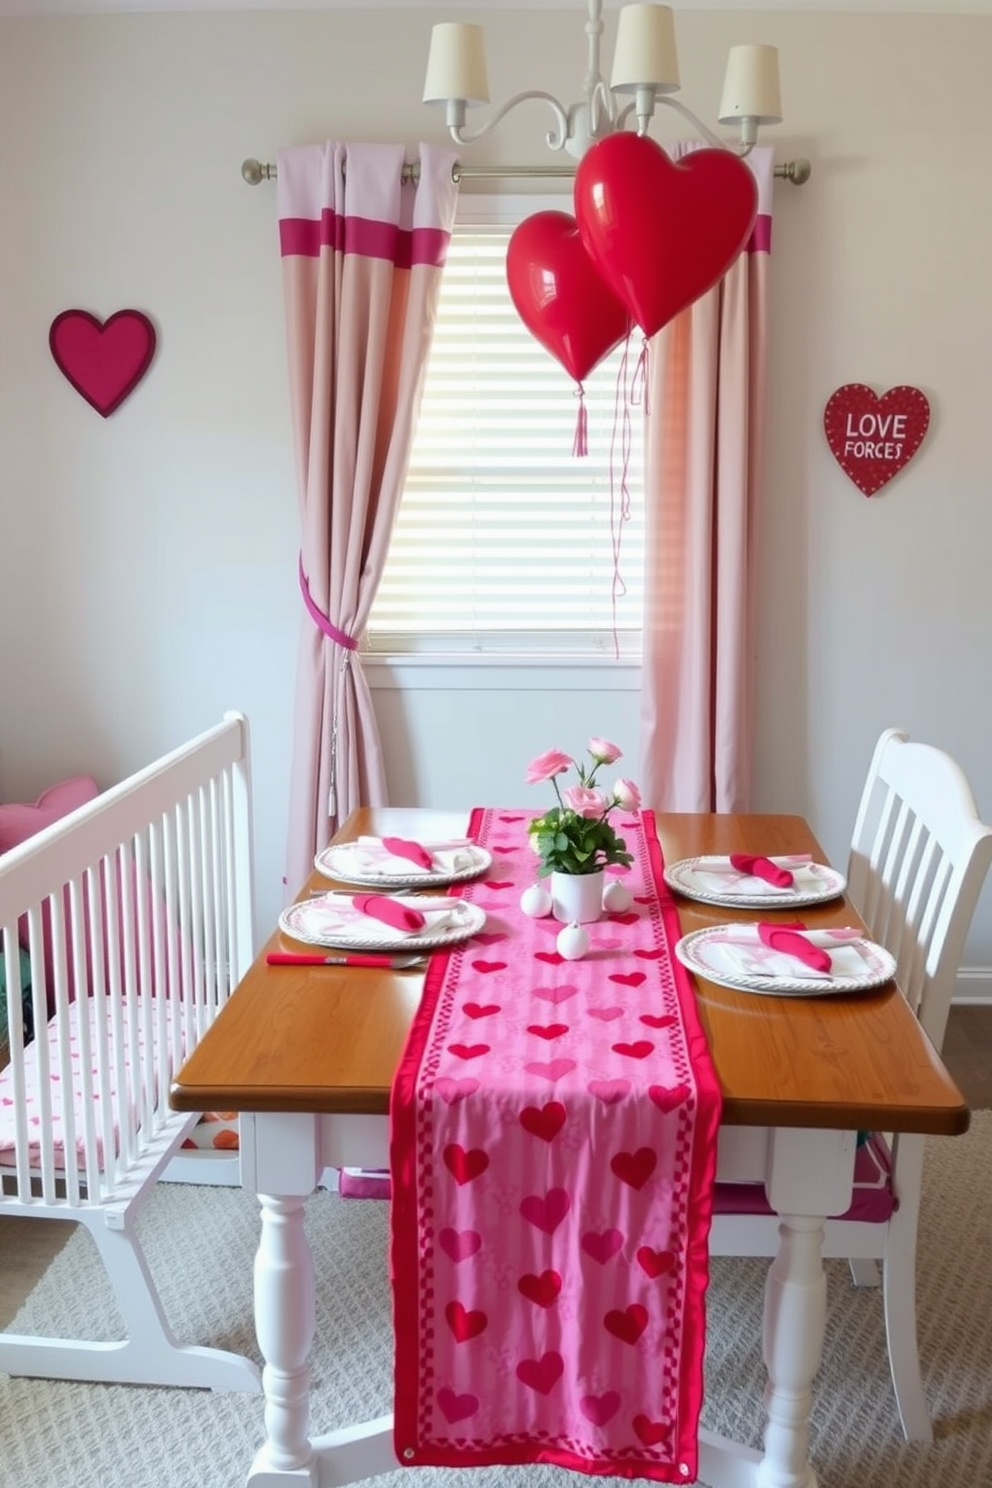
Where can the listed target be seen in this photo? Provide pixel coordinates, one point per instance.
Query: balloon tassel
(580, 445)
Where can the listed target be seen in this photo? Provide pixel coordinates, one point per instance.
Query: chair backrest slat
(919, 857)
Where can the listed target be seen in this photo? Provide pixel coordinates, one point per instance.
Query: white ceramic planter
(577, 898)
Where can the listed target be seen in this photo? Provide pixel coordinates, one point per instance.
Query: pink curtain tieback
(320, 619)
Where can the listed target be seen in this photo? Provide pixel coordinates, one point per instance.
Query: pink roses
(575, 836)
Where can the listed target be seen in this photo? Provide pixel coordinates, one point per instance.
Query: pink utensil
(290, 958)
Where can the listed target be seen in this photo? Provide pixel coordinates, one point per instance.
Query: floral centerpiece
(577, 836)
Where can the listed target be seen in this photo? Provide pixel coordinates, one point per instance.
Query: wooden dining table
(307, 1055)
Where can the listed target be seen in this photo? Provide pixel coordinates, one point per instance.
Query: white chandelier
(645, 73)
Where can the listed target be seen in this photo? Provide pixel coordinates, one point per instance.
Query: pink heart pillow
(21, 820)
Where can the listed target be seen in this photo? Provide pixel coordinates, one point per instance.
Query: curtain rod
(254, 172)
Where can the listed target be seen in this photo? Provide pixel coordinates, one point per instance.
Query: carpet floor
(201, 1243)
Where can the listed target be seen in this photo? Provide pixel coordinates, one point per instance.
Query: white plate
(303, 921)
(340, 862)
(700, 953)
(819, 884)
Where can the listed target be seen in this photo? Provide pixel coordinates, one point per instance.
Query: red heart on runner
(607, 1014)
(480, 1009)
(602, 1247)
(654, 955)
(634, 1168)
(551, 957)
(543, 1121)
(550, 1031)
(561, 993)
(454, 1090)
(554, 1069)
(546, 1214)
(487, 966)
(465, 1324)
(667, 1100)
(608, 1091)
(468, 1051)
(628, 978)
(640, 1049)
(657, 1020)
(600, 1408)
(457, 1407)
(489, 937)
(465, 1165)
(651, 1432)
(628, 1324)
(655, 1263)
(627, 918)
(541, 1289)
(459, 1244)
(541, 1374)
(492, 883)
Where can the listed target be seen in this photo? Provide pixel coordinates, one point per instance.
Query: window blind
(505, 540)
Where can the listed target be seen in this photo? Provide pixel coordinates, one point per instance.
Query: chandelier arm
(555, 141)
(600, 98)
(675, 103)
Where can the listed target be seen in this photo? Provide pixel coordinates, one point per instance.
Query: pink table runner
(553, 1151)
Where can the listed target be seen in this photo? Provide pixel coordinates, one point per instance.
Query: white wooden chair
(137, 912)
(918, 860)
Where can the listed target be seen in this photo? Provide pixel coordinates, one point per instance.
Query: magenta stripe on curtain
(303, 237)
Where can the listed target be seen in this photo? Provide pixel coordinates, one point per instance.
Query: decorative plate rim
(833, 888)
(433, 880)
(451, 935)
(685, 950)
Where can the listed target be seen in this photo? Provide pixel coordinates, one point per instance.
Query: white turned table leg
(795, 1319)
(284, 1325)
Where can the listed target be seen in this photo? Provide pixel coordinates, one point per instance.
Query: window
(505, 540)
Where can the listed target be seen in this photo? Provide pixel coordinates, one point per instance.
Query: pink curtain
(362, 255)
(705, 406)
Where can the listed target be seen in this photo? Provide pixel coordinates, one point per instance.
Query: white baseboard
(974, 987)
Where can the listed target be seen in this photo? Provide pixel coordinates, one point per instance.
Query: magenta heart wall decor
(104, 360)
(873, 437)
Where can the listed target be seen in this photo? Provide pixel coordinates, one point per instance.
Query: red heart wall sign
(558, 294)
(104, 360)
(872, 438)
(662, 233)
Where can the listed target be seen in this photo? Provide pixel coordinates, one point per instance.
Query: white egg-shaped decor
(572, 942)
(536, 901)
(617, 897)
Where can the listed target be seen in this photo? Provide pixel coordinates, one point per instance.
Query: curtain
(703, 422)
(362, 253)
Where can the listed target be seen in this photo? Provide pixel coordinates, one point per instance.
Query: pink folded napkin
(764, 868)
(391, 912)
(790, 940)
(400, 847)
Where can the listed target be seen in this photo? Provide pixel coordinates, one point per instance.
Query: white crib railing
(136, 911)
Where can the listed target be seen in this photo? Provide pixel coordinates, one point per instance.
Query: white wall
(147, 561)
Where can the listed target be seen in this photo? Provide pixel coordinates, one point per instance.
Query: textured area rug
(201, 1243)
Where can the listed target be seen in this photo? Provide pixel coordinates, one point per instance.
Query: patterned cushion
(873, 1198)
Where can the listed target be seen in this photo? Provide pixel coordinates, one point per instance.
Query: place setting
(398, 862)
(742, 880)
(786, 959)
(381, 922)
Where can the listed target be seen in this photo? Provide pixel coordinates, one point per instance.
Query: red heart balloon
(558, 294)
(661, 233)
(104, 360)
(872, 438)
